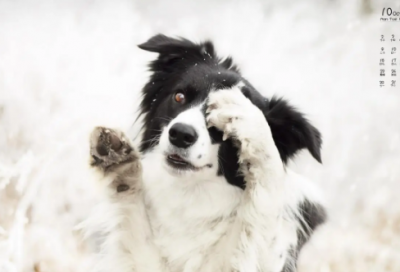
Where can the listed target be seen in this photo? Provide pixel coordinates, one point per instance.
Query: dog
(208, 189)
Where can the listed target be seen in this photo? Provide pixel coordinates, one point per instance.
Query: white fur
(196, 221)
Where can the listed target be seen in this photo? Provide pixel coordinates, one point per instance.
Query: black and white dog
(208, 189)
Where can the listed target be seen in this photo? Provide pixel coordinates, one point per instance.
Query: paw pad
(109, 147)
(122, 188)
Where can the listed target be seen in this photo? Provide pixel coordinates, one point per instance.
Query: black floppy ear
(291, 130)
(180, 50)
(161, 43)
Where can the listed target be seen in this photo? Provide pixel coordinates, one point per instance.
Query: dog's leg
(128, 246)
(255, 240)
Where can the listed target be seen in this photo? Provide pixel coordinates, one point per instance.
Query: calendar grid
(388, 61)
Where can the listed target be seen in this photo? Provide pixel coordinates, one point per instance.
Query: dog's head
(174, 103)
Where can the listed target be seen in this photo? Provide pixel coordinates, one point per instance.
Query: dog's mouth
(179, 163)
(176, 161)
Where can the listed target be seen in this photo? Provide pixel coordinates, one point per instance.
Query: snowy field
(66, 66)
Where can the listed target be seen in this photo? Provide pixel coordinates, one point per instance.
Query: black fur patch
(313, 215)
(228, 161)
(291, 130)
(290, 264)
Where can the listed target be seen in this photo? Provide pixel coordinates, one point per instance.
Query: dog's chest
(188, 220)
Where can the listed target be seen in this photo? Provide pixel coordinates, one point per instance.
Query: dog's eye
(180, 98)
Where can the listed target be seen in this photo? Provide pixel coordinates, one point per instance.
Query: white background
(66, 66)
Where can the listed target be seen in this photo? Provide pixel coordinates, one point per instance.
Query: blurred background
(66, 66)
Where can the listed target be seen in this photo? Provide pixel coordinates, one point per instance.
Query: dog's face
(174, 103)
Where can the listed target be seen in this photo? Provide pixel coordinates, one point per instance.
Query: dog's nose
(182, 135)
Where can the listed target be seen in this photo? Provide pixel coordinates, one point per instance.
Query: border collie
(208, 189)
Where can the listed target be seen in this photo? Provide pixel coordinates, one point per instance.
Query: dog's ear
(164, 44)
(180, 50)
(290, 129)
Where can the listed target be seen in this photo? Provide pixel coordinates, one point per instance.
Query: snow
(67, 66)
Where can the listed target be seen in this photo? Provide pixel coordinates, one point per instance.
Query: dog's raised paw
(109, 147)
(230, 111)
